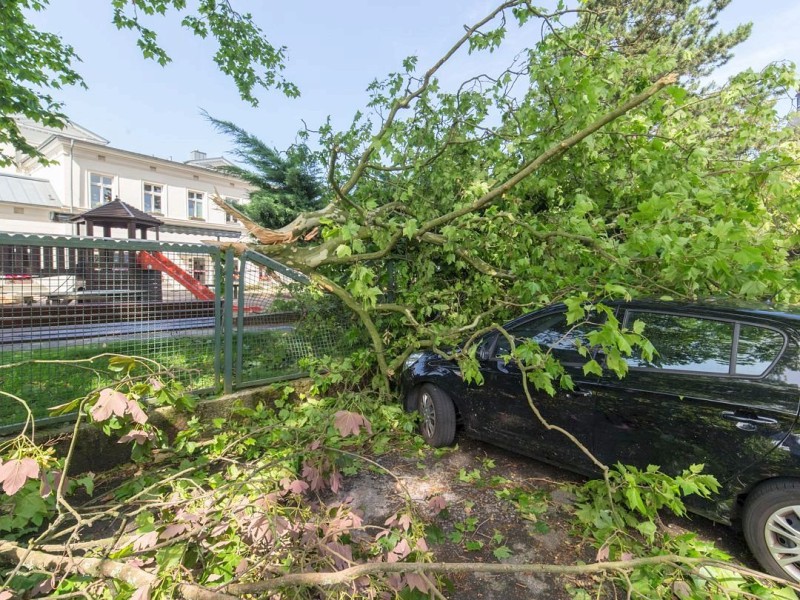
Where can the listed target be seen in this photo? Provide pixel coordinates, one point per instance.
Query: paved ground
(485, 522)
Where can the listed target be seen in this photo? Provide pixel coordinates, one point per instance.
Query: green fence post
(227, 326)
(217, 319)
(240, 321)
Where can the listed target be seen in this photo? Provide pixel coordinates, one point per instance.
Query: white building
(86, 172)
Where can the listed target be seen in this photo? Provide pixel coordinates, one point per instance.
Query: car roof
(719, 307)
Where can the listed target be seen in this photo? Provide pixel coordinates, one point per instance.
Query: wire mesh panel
(65, 298)
(280, 320)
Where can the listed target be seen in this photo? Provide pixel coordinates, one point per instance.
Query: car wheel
(437, 416)
(771, 524)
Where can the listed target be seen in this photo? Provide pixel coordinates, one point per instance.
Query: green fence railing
(217, 322)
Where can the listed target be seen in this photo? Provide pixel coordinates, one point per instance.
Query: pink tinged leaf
(335, 482)
(399, 552)
(136, 412)
(415, 581)
(283, 525)
(342, 554)
(350, 423)
(602, 554)
(43, 587)
(142, 593)
(173, 530)
(314, 445)
(145, 541)
(626, 556)
(242, 567)
(296, 486)
(437, 503)
(681, 589)
(110, 402)
(183, 515)
(313, 476)
(260, 529)
(44, 486)
(219, 530)
(395, 581)
(139, 562)
(138, 436)
(156, 384)
(421, 545)
(355, 520)
(50, 481)
(391, 520)
(214, 577)
(404, 522)
(15, 473)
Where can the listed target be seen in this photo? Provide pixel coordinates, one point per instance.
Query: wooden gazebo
(113, 275)
(117, 215)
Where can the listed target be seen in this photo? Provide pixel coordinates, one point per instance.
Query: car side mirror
(485, 348)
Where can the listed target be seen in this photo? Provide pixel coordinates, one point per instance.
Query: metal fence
(216, 321)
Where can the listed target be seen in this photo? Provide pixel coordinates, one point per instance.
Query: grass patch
(265, 355)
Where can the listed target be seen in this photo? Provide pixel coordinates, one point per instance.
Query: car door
(706, 398)
(500, 410)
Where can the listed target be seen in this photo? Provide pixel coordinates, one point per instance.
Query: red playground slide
(159, 262)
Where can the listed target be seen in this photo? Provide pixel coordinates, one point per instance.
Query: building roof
(116, 212)
(36, 132)
(215, 162)
(27, 190)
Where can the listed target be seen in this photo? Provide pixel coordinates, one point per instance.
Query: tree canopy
(600, 163)
(34, 63)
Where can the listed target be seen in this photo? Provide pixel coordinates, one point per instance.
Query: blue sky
(335, 49)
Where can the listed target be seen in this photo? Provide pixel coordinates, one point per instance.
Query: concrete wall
(96, 452)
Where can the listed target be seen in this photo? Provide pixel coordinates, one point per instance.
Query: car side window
(684, 343)
(757, 349)
(550, 332)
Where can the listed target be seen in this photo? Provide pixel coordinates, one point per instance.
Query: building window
(99, 189)
(229, 218)
(195, 205)
(199, 269)
(152, 198)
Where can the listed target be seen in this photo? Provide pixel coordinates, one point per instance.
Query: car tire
(437, 414)
(771, 523)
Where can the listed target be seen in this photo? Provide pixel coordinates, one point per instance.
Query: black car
(723, 390)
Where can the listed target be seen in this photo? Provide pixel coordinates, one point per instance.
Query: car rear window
(757, 349)
(685, 343)
(694, 344)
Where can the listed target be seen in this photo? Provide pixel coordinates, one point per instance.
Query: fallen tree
(599, 163)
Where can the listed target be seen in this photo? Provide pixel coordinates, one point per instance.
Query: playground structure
(97, 287)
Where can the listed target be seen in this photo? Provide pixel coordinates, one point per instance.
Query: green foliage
(463, 206)
(34, 63)
(620, 517)
(237, 497)
(286, 183)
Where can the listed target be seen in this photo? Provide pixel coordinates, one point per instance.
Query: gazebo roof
(117, 213)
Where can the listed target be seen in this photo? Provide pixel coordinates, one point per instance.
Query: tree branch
(552, 152)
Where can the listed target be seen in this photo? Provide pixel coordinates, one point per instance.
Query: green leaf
(502, 552)
(593, 367)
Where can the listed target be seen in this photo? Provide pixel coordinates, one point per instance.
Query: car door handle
(750, 418)
(580, 392)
